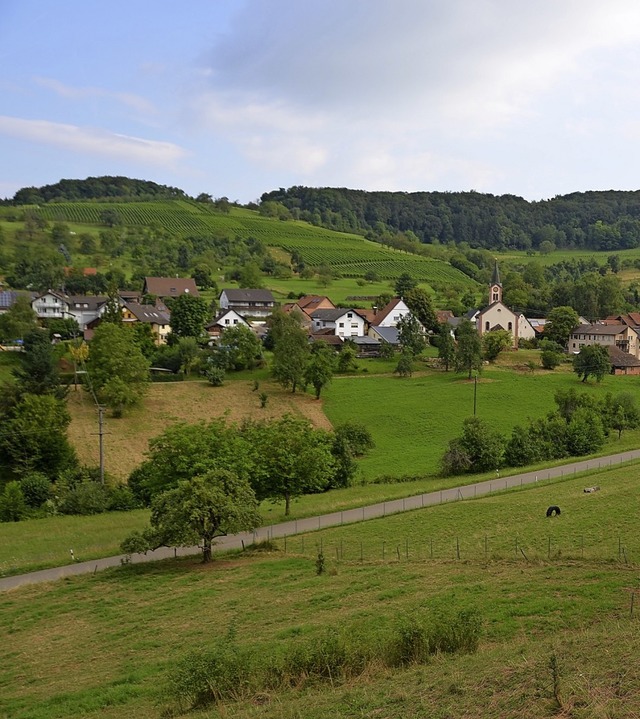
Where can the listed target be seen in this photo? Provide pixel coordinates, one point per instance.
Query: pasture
(117, 633)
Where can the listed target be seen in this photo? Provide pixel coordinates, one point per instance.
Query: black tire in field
(553, 510)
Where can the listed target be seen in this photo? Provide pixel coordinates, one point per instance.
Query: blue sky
(238, 97)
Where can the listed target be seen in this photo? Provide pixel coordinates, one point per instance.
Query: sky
(239, 97)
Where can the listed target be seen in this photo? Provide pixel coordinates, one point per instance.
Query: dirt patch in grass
(127, 439)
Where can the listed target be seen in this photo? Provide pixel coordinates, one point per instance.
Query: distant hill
(605, 221)
(96, 188)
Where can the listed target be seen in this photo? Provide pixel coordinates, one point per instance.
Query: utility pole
(101, 436)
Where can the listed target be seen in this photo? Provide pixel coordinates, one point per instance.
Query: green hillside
(349, 254)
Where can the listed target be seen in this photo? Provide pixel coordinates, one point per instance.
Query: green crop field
(559, 631)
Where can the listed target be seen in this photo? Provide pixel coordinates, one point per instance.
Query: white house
(390, 314)
(86, 308)
(248, 303)
(340, 322)
(51, 305)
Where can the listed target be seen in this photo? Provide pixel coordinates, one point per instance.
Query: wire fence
(487, 548)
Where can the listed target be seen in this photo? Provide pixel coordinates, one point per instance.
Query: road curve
(311, 524)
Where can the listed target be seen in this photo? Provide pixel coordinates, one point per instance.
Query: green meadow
(101, 645)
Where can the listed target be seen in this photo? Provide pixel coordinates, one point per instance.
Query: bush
(214, 375)
(550, 359)
(122, 499)
(13, 507)
(211, 675)
(357, 437)
(86, 498)
(36, 489)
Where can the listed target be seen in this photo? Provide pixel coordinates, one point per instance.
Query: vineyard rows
(351, 255)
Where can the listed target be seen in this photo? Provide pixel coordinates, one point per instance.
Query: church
(497, 316)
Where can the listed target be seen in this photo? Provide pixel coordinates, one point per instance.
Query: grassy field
(101, 645)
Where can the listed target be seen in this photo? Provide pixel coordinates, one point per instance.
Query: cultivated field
(559, 629)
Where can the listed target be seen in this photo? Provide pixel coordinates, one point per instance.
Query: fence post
(406, 548)
(457, 547)
(431, 547)
(383, 550)
(486, 548)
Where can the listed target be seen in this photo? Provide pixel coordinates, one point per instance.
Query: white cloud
(137, 103)
(91, 140)
(411, 94)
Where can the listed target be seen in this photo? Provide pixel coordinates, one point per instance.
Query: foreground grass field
(101, 645)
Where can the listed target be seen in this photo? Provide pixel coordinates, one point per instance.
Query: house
(149, 314)
(390, 314)
(622, 336)
(292, 308)
(248, 303)
(164, 287)
(622, 362)
(85, 308)
(340, 322)
(385, 335)
(366, 346)
(51, 305)
(227, 319)
(497, 316)
(309, 303)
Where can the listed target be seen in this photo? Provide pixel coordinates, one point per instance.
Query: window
(226, 322)
(341, 324)
(349, 315)
(487, 326)
(510, 326)
(354, 325)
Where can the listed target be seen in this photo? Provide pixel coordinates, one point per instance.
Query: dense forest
(606, 221)
(96, 188)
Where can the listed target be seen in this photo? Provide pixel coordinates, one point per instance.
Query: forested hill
(607, 220)
(96, 188)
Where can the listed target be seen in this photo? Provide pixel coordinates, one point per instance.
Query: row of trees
(578, 426)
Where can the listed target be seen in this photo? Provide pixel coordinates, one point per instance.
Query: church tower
(495, 289)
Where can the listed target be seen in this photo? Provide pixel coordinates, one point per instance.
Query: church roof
(495, 277)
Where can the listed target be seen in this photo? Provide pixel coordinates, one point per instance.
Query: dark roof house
(169, 286)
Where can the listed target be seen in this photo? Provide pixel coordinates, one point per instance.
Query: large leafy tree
(321, 366)
(446, 346)
(478, 449)
(494, 342)
(592, 361)
(295, 459)
(468, 355)
(242, 347)
(421, 305)
(118, 371)
(290, 351)
(560, 324)
(410, 334)
(199, 510)
(38, 372)
(34, 436)
(188, 316)
(18, 320)
(404, 284)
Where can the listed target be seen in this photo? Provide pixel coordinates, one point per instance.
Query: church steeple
(495, 288)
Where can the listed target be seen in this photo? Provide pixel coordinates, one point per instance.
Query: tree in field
(410, 334)
(468, 355)
(404, 368)
(188, 316)
(34, 436)
(494, 342)
(592, 360)
(242, 347)
(421, 305)
(38, 372)
(118, 370)
(405, 283)
(446, 346)
(321, 366)
(13, 506)
(188, 351)
(18, 320)
(183, 451)
(478, 449)
(198, 510)
(295, 459)
(560, 324)
(290, 350)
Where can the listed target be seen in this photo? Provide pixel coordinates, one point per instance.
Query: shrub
(357, 437)
(550, 359)
(214, 375)
(122, 499)
(36, 489)
(13, 507)
(86, 498)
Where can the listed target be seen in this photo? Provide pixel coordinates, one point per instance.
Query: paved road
(310, 524)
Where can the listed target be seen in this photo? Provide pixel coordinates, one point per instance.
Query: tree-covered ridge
(96, 188)
(602, 220)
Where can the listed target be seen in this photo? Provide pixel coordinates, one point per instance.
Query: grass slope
(100, 645)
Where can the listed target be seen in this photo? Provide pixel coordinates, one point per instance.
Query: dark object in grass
(553, 510)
